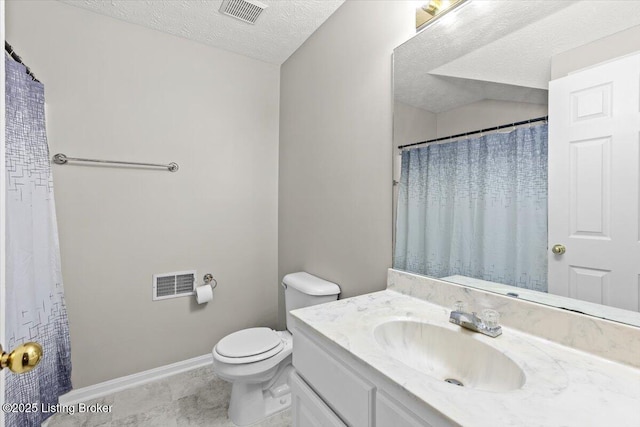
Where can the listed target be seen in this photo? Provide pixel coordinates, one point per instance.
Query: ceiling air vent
(173, 285)
(244, 10)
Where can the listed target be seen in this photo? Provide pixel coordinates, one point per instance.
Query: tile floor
(194, 398)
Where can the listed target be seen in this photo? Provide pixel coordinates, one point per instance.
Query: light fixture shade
(427, 11)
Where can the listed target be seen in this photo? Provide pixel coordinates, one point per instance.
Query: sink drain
(454, 382)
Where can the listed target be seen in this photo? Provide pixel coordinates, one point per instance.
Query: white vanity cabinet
(359, 363)
(389, 412)
(333, 388)
(308, 409)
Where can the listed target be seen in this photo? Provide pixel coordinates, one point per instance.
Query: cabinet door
(348, 394)
(308, 409)
(391, 413)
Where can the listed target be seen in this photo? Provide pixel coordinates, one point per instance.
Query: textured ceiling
(499, 50)
(279, 31)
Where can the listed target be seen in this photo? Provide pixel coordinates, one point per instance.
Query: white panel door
(594, 163)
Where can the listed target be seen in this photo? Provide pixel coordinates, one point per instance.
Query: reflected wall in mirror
(547, 212)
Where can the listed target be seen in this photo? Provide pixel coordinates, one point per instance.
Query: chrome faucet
(488, 325)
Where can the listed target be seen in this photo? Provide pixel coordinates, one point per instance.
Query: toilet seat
(248, 345)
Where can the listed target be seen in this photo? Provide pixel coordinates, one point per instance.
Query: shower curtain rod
(494, 128)
(12, 53)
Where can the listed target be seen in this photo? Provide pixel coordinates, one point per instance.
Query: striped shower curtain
(476, 208)
(35, 307)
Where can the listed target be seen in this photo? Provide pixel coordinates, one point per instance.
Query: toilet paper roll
(204, 294)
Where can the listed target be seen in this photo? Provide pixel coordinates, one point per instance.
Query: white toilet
(258, 360)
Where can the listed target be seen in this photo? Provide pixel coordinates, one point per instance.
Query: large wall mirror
(487, 194)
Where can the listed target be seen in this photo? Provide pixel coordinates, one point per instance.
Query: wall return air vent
(244, 10)
(173, 285)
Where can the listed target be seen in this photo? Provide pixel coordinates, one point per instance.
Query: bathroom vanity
(392, 358)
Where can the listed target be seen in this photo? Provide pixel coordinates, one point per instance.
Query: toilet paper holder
(204, 292)
(208, 278)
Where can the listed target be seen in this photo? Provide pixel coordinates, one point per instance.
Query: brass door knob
(24, 358)
(558, 249)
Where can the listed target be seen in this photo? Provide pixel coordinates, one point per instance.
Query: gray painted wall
(605, 49)
(412, 124)
(484, 114)
(118, 91)
(335, 147)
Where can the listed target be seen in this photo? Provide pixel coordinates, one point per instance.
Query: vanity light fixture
(427, 11)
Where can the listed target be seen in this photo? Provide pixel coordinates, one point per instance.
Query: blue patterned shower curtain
(35, 307)
(476, 208)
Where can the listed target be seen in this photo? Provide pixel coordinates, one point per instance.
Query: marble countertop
(564, 386)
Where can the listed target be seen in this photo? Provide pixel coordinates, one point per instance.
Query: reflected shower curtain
(34, 303)
(476, 208)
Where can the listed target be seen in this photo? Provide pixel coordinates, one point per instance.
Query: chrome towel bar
(62, 159)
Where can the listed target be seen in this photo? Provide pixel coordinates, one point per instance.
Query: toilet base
(252, 402)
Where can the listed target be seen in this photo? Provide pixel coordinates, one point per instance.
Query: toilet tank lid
(310, 284)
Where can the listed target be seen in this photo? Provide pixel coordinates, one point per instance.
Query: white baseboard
(118, 384)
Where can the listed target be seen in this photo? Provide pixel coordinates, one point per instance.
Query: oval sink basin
(447, 355)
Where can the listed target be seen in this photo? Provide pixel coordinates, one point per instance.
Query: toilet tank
(303, 290)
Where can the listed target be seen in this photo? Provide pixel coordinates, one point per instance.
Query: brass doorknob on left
(558, 249)
(24, 358)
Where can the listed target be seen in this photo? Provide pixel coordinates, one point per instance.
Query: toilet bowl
(257, 361)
